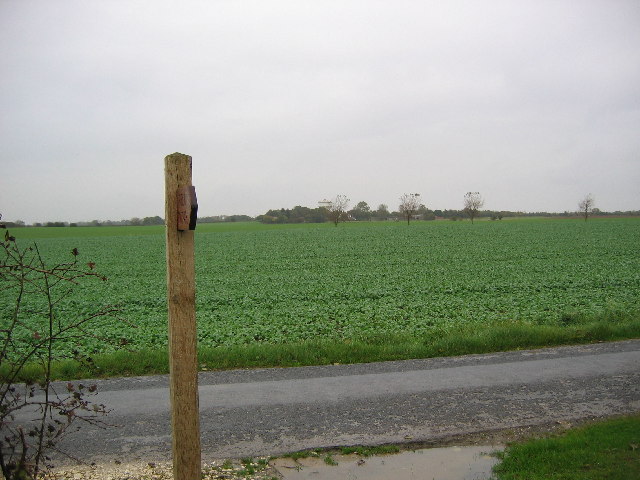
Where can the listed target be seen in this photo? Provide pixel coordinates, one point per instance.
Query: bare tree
(337, 209)
(30, 336)
(409, 205)
(585, 207)
(473, 202)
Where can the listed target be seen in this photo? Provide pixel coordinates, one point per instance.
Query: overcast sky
(280, 103)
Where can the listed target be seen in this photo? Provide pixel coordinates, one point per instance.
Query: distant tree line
(135, 221)
(363, 212)
(337, 210)
(106, 223)
(225, 218)
(297, 214)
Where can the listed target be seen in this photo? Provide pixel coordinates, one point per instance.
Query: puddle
(453, 463)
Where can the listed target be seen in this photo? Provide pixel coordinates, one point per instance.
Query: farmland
(281, 284)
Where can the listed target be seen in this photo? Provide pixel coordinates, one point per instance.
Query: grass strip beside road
(496, 338)
(609, 449)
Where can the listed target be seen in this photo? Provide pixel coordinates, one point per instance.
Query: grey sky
(283, 103)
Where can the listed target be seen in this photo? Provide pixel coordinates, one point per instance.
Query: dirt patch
(259, 469)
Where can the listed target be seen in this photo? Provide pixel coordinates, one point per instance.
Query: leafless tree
(409, 205)
(337, 209)
(473, 202)
(30, 335)
(585, 207)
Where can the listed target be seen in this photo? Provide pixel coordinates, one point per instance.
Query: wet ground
(452, 463)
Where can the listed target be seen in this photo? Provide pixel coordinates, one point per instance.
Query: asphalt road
(274, 411)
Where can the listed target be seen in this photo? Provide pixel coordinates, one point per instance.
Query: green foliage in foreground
(383, 347)
(607, 450)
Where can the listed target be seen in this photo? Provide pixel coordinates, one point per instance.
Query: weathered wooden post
(180, 218)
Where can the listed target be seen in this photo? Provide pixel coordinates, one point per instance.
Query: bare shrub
(35, 416)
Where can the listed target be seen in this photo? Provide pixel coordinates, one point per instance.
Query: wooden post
(181, 296)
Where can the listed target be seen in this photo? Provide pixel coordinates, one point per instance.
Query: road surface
(274, 411)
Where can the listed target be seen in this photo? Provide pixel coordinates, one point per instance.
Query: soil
(235, 469)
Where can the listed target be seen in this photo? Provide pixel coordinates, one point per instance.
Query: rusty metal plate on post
(187, 208)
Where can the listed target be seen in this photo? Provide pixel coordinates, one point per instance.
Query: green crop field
(286, 283)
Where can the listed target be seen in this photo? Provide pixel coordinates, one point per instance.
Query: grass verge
(606, 450)
(467, 340)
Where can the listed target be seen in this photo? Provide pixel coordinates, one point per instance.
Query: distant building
(324, 203)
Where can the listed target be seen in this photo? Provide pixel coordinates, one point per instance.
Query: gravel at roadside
(255, 469)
